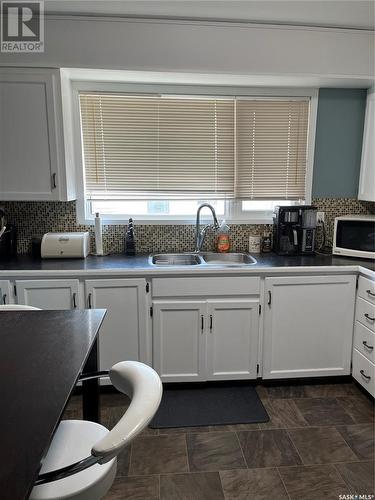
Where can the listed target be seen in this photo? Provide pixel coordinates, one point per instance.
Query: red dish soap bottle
(223, 239)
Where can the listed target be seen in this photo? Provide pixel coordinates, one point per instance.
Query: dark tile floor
(318, 444)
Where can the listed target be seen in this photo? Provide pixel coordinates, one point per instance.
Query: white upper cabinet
(366, 189)
(32, 155)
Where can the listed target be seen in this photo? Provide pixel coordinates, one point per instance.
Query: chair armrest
(143, 385)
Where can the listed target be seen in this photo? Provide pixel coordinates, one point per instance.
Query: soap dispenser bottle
(129, 239)
(223, 239)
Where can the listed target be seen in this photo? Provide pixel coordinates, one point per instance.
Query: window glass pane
(267, 205)
(155, 208)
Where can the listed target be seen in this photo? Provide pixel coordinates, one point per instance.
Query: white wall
(203, 47)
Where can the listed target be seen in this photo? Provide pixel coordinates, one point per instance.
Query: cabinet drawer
(364, 372)
(365, 313)
(189, 287)
(366, 289)
(364, 341)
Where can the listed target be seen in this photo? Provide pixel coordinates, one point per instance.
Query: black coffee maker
(8, 238)
(294, 229)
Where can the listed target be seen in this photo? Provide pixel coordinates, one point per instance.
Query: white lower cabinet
(49, 294)
(123, 334)
(195, 340)
(179, 340)
(5, 295)
(232, 339)
(363, 369)
(308, 326)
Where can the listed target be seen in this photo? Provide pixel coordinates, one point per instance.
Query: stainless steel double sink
(202, 259)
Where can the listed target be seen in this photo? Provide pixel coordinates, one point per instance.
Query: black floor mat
(209, 405)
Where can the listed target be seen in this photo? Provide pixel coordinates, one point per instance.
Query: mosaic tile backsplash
(33, 219)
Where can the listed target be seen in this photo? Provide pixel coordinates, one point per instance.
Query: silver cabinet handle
(369, 292)
(202, 323)
(366, 377)
(4, 298)
(269, 297)
(89, 300)
(369, 347)
(74, 300)
(211, 323)
(369, 317)
(54, 185)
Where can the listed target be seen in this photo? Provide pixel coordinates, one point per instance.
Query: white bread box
(65, 245)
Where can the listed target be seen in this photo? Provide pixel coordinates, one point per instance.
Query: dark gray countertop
(139, 263)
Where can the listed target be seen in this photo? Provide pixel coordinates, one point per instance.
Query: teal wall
(338, 142)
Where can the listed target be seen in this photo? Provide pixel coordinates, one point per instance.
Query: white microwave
(354, 236)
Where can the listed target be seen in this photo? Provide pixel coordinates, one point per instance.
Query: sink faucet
(201, 234)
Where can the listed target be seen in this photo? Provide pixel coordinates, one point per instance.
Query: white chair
(18, 307)
(81, 461)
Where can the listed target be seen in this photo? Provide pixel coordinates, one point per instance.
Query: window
(157, 157)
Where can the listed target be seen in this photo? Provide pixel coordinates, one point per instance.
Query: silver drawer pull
(369, 347)
(369, 292)
(366, 377)
(369, 317)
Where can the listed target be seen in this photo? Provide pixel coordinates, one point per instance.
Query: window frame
(233, 209)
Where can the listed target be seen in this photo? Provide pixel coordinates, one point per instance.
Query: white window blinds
(271, 149)
(158, 147)
(190, 147)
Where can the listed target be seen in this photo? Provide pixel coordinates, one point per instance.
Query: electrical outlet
(320, 217)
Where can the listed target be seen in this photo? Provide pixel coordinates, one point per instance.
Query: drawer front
(366, 289)
(364, 341)
(364, 372)
(365, 313)
(189, 287)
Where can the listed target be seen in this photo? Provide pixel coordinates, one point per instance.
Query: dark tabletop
(140, 263)
(41, 356)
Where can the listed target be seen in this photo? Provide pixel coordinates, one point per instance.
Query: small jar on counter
(254, 243)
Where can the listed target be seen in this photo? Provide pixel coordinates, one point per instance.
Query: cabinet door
(123, 334)
(179, 340)
(232, 339)
(31, 139)
(308, 326)
(366, 189)
(49, 294)
(5, 295)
